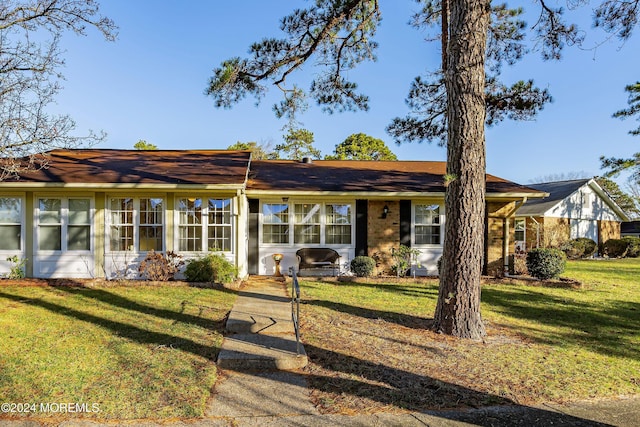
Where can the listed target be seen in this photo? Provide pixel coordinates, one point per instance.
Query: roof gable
(560, 194)
(558, 191)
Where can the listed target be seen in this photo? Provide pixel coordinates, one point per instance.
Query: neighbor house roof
(96, 167)
(350, 176)
(560, 190)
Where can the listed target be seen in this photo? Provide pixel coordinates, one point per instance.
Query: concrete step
(242, 352)
(251, 323)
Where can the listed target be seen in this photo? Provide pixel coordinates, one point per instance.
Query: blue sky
(150, 85)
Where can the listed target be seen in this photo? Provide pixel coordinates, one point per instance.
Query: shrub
(581, 247)
(615, 248)
(403, 258)
(210, 268)
(159, 267)
(16, 271)
(545, 263)
(363, 266)
(633, 248)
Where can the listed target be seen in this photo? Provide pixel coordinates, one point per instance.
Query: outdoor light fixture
(385, 211)
(285, 199)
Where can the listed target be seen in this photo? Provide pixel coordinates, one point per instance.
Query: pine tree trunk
(458, 308)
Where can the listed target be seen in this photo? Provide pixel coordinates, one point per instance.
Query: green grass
(136, 352)
(544, 343)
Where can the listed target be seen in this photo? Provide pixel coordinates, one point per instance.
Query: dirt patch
(366, 365)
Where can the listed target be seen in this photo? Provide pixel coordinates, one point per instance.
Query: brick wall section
(495, 264)
(534, 231)
(608, 230)
(383, 234)
(555, 231)
(497, 211)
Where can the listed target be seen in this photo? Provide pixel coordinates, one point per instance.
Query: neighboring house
(576, 208)
(630, 228)
(96, 213)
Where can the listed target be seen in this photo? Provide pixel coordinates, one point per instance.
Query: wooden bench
(325, 258)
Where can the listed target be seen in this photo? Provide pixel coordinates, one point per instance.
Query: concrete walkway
(259, 358)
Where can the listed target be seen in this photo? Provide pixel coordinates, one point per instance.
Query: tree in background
(298, 144)
(563, 176)
(476, 40)
(144, 145)
(258, 151)
(634, 106)
(627, 202)
(360, 146)
(615, 165)
(30, 62)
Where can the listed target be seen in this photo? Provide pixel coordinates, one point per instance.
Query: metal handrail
(295, 306)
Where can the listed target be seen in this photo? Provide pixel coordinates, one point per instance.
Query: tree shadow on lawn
(606, 330)
(416, 289)
(134, 333)
(128, 304)
(406, 320)
(360, 382)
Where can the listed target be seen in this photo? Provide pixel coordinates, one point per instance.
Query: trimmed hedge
(615, 248)
(544, 263)
(363, 266)
(633, 248)
(581, 247)
(210, 268)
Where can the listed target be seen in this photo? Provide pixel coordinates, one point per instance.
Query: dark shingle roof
(203, 167)
(361, 176)
(558, 191)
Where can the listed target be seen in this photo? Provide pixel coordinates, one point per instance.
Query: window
(151, 229)
(275, 218)
(190, 225)
(79, 228)
(196, 220)
(519, 229)
(311, 223)
(10, 223)
(306, 223)
(137, 224)
(50, 224)
(427, 225)
(122, 224)
(219, 225)
(64, 224)
(338, 224)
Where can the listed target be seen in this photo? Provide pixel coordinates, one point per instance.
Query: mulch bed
(104, 283)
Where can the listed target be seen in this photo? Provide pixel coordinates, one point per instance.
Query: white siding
(584, 204)
(584, 228)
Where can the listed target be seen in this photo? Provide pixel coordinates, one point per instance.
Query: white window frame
(291, 222)
(442, 219)
(21, 243)
(64, 224)
(205, 225)
(524, 229)
(136, 222)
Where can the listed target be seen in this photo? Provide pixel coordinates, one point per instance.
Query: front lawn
(130, 352)
(371, 348)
